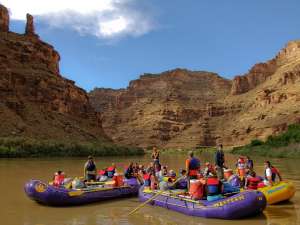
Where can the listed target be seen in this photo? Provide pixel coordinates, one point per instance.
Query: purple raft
(245, 204)
(54, 196)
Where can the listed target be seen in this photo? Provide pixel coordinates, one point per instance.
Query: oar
(150, 199)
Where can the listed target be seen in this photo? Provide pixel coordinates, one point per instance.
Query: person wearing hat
(90, 170)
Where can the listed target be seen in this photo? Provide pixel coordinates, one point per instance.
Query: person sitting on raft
(90, 170)
(252, 181)
(181, 182)
(111, 170)
(208, 169)
(270, 174)
(58, 179)
(129, 173)
(214, 187)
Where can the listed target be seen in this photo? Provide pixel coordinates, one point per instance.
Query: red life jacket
(212, 181)
(253, 183)
(212, 186)
(147, 176)
(58, 179)
(111, 169)
(102, 172)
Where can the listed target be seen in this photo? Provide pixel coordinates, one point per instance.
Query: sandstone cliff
(184, 109)
(36, 101)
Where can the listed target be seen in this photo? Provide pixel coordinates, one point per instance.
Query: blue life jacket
(194, 164)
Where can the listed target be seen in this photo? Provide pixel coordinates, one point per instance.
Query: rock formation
(35, 100)
(29, 29)
(183, 109)
(4, 19)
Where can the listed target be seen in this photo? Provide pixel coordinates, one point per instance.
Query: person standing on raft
(155, 155)
(219, 161)
(90, 170)
(192, 165)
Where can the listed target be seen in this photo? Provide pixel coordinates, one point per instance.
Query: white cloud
(102, 18)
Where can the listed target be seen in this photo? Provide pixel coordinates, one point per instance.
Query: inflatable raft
(279, 192)
(50, 195)
(245, 204)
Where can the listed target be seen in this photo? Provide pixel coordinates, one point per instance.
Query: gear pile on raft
(211, 191)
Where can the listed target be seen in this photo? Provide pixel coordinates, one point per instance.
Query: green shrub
(22, 147)
(286, 144)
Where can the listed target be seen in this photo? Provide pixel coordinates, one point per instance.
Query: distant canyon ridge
(186, 109)
(175, 109)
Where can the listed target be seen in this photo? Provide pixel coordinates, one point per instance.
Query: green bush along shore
(23, 147)
(285, 145)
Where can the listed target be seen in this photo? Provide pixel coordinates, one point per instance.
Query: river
(17, 209)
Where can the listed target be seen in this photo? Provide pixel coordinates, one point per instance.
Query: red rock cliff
(36, 101)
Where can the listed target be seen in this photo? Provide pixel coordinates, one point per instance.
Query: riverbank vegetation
(24, 147)
(284, 145)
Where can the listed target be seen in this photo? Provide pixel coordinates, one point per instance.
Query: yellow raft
(281, 191)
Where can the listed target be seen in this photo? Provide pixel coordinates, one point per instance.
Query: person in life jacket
(111, 170)
(192, 166)
(213, 187)
(208, 169)
(252, 181)
(90, 170)
(270, 174)
(129, 173)
(241, 166)
(182, 180)
(118, 179)
(58, 178)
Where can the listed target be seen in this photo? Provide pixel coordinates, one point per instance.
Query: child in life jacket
(58, 178)
(252, 181)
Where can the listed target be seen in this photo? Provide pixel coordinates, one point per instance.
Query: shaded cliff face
(184, 109)
(36, 101)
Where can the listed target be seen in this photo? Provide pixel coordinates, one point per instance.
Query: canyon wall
(184, 109)
(36, 101)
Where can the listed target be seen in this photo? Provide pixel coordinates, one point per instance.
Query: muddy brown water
(17, 209)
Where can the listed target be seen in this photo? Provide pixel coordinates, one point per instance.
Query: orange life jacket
(118, 179)
(193, 170)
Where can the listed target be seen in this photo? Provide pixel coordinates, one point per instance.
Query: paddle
(150, 199)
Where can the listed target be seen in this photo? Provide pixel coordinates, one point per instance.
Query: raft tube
(282, 191)
(245, 204)
(50, 195)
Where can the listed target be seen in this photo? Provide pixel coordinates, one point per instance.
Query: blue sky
(226, 37)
